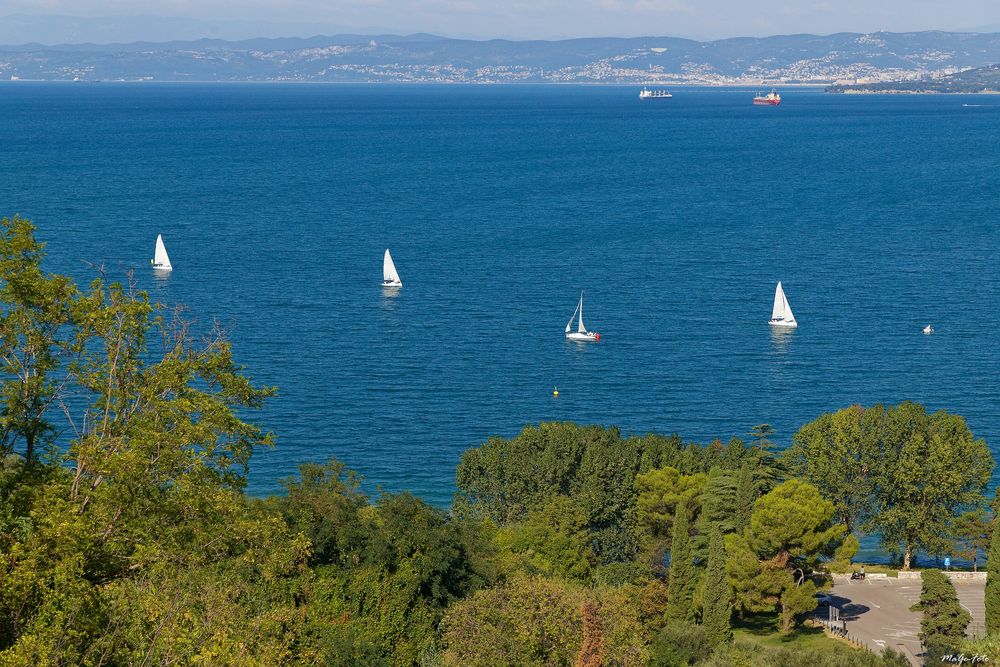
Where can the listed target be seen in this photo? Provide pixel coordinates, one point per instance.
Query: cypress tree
(944, 620)
(680, 587)
(993, 583)
(746, 495)
(718, 598)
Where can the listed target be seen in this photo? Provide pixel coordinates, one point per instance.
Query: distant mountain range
(62, 29)
(847, 58)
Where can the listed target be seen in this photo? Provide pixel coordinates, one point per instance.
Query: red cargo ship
(772, 99)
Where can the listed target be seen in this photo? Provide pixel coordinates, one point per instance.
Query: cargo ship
(646, 94)
(772, 99)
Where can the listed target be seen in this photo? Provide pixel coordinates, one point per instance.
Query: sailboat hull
(589, 337)
(783, 323)
(390, 283)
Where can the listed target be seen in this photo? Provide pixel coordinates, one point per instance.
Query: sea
(675, 218)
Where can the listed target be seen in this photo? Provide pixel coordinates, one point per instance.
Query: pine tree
(718, 598)
(683, 578)
(993, 583)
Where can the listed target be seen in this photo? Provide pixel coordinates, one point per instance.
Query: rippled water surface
(878, 214)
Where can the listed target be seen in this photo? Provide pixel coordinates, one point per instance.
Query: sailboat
(781, 314)
(581, 333)
(389, 276)
(160, 261)
(928, 330)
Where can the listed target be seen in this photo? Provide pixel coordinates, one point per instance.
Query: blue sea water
(676, 217)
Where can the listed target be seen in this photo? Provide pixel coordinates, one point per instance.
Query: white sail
(569, 325)
(788, 309)
(160, 258)
(581, 328)
(389, 275)
(781, 311)
(778, 310)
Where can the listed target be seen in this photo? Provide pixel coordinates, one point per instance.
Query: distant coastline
(972, 81)
(780, 61)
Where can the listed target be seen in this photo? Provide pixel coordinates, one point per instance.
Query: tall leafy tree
(931, 469)
(839, 453)
(972, 535)
(146, 498)
(35, 338)
(683, 576)
(718, 608)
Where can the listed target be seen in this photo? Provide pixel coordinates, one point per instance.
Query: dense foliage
(898, 472)
(126, 537)
(943, 620)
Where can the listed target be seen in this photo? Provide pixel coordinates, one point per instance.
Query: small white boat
(928, 330)
(389, 276)
(160, 261)
(581, 333)
(781, 313)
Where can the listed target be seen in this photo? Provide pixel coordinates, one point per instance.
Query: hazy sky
(560, 18)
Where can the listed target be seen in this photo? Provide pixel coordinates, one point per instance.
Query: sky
(513, 19)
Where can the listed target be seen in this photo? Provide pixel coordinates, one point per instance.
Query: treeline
(132, 542)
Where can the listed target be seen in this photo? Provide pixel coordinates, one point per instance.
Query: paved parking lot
(877, 611)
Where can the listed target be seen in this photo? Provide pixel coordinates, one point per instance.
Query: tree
(678, 644)
(140, 533)
(718, 503)
(35, 338)
(896, 471)
(718, 609)
(551, 540)
(683, 577)
(972, 534)
(747, 493)
(943, 623)
(325, 505)
(661, 491)
(931, 468)
(838, 453)
(791, 529)
(594, 466)
(756, 585)
(993, 583)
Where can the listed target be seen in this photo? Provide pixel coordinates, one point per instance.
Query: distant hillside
(978, 80)
(427, 58)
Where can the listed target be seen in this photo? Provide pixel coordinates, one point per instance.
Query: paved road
(877, 611)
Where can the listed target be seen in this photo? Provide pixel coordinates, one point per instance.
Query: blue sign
(947, 561)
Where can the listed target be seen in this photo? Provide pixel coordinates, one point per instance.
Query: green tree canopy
(791, 529)
(932, 469)
(839, 453)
